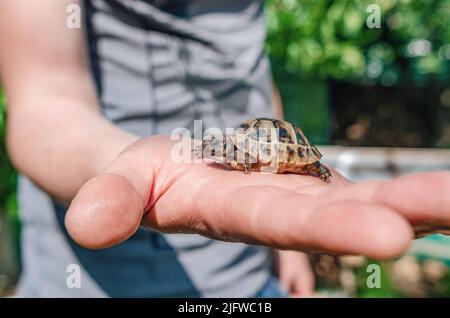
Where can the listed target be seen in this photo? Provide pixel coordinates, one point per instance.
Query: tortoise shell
(271, 145)
(293, 146)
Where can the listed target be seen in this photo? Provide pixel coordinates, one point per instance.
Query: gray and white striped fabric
(158, 66)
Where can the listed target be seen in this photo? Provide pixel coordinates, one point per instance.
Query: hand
(283, 211)
(295, 273)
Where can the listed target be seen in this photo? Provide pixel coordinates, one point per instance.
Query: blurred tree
(330, 39)
(329, 43)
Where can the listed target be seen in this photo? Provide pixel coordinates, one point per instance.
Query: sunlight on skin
(284, 211)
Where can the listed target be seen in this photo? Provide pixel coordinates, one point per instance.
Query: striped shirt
(158, 65)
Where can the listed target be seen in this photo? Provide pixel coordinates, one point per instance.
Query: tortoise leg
(241, 166)
(322, 171)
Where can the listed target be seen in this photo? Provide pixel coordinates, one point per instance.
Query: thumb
(106, 211)
(108, 208)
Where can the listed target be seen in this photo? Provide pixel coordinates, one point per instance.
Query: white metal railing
(362, 163)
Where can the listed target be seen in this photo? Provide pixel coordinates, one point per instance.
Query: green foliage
(330, 39)
(386, 289)
(7, 173)
(305, 104)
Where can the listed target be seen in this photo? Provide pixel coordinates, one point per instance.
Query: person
(88, 124)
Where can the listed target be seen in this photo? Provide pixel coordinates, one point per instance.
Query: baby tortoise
(265, 144)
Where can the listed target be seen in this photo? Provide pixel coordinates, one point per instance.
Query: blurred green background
(349, 84)
(9, 221)
(7, 173)
(343, 83)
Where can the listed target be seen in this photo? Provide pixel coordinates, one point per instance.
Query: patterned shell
(294, 147)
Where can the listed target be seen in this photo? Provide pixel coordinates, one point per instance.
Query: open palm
(143, 186)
